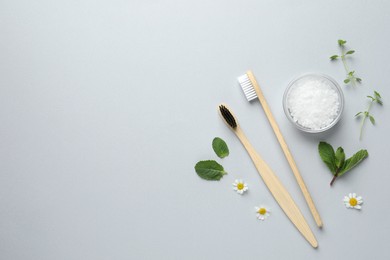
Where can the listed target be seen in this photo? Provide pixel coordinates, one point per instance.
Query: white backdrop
(106, 106)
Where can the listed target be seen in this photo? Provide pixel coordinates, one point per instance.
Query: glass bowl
(323, 79)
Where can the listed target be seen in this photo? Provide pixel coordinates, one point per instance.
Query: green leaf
(341, 42)
(346, 81)
(220, 147)
(327, 155)
(373, 99)
(353, 161)
(359, 80)
(210, 170)
(334, 57)
(378, 98)
(350, 52)
(340, 157)
(351, 73)
(358, 114)
(372, 119)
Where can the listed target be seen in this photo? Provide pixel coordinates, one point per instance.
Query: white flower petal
(350, 195)
(354, 195)
(358, 207)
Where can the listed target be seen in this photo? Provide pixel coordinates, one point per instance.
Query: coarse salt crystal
(313, 103)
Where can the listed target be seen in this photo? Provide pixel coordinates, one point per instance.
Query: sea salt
(313, 102)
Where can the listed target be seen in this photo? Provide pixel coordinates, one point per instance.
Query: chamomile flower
(352, 201)
(262, 212)
(240, 186)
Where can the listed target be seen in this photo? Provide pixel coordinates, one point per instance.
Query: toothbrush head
(227, 116)
(247, 86)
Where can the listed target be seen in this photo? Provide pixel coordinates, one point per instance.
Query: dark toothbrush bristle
(227, 115)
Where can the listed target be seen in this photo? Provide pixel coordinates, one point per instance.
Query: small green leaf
(327, 155)
(359, 80)
(340, 157)
(220, 147)
(353, 161)
(210, 170)
(341, 42)
(372, 119)
(346, 81)
(334, 57)
(350, 52)
(371, 98)
(378, 98)
(351, 73)
(358, 114)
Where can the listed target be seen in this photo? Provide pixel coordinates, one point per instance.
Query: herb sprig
(351, 78)
(336, 161)
(366, 114)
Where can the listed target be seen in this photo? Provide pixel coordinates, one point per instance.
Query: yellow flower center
(353, 202)
(240, 186)
(262, 211)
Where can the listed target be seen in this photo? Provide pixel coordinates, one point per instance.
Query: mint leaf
(210, 170)
(353, 161)
(340, 157)
(350, 52)
(220, 147)
(346, 81)
(328, 156)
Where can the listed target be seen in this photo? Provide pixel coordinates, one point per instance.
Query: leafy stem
(351, 78)
(336, 161)
(376, 98)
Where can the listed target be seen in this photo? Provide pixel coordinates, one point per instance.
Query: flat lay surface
(106, 107)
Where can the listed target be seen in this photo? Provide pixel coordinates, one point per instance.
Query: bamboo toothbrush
(252, 91)
(270, 179)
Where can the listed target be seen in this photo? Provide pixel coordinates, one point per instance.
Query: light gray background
(106, 106)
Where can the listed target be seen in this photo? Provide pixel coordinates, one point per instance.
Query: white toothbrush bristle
(247, 87)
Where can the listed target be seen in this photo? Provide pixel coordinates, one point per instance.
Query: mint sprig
(351, 78)
(210, 170)
(336, 162)
(366, 114)
(220, 147)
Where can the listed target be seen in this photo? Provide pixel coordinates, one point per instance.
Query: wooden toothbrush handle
(286, 150)
(279, 192)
